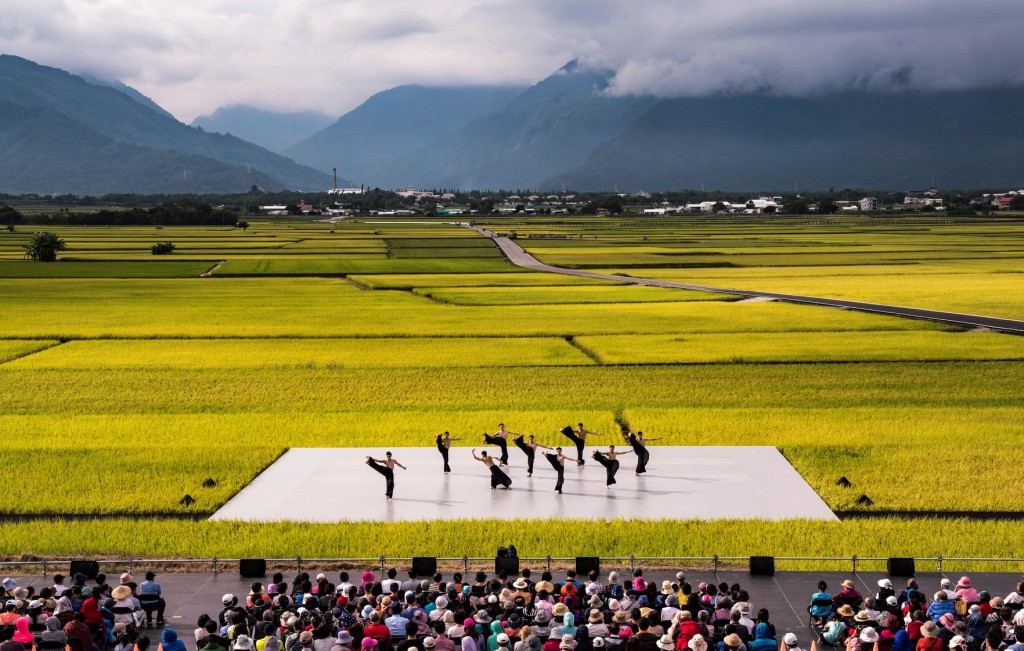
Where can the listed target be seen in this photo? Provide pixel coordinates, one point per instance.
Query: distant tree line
(189, 214)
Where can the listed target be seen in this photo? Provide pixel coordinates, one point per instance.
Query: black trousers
(559, 468)
(611, 466)
(527, 450)
(501, 443)
(444, 454)
(642, 455)
(498, 478)
(389, 475)
(577, 441)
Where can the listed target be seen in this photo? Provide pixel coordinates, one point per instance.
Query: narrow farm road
(517, 256)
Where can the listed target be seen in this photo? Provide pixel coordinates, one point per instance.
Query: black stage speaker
(586, 564)
(762, 565)
(507, 564)
(424, 565)
(89, 568)
(252, 568)
(900, 567)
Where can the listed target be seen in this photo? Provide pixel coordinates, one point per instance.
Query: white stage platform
(335, 484)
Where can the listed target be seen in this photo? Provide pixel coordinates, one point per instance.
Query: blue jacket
(940, 608)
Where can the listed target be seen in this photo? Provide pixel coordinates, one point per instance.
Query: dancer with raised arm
(529, 448)
(558, 463)
(610, 462)
(579, 438)
(498, 478)
(639, 444)
(386, 467)
(444, 441)
(500, 438)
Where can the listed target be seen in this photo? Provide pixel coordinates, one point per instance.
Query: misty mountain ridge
(271, 130)
(567, 131)
(166, 155)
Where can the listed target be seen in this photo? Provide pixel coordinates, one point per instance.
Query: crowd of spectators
(957, 617)
(488, 614)
(80, 617)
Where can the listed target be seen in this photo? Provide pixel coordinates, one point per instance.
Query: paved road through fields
(517, 256)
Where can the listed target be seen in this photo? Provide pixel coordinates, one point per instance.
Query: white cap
(228, 598)
(789, 639)
(891, 600)
(957, 641)
(502, 639)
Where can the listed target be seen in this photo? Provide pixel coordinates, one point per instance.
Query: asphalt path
(517, 256)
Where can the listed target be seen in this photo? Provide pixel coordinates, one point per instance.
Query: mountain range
(64, 133)
(61, 134)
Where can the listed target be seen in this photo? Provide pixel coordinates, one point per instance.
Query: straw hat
(929, 629)
(595, 617)
(862, 617)
(619, 617)
(666, 643)
(520, 584)
(121, 592)
(559, 610)
(732, 640)
(846, 610)
(545, 585)
(666, 587)
(848, 584)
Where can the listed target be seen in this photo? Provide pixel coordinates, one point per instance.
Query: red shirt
(377, 631)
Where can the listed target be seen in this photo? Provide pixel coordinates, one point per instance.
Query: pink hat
(368, 642)
(469, 623)
(948, 621)
(965, 582)
(368, 577)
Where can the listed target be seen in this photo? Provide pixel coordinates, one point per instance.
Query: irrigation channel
(519, 257)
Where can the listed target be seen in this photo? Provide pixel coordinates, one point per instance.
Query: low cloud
(330, 55)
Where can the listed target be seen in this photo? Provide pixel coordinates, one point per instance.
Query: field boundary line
(33, 352)
(518, 256)
(571, 340)
(209, 272)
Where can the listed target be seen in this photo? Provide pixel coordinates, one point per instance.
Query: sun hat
(481, 617)
(595, 617)
(613, 577)
(305, 636)
(869, 635)
(862, 617)
(789, 639)
(595, 601)
(430, 643)
(545, 585)
(929, 629)
(743, 607)
(593, 589)
(492, 599)
(619, 617)
(344, 637)
(243, 642)
(126, 578)
(568, 642)
(666, 587)
(520, 584)
(542, 617)
(368, 643)
(559, 610)
(732, 640)
(848, 584)
(9, 584)
(534, 642)
(964, 582)
(646, 612)
(957, 642)
(368, 577)
(321, 577)
(613, 604)
(666, 643)
(885, 583)
(121, 592)
(846, 610)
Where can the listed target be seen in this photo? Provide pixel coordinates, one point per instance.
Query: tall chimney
(335, 186)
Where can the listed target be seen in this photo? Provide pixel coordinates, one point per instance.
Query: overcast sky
(192, 56)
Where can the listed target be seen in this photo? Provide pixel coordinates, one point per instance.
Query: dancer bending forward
(498, 478)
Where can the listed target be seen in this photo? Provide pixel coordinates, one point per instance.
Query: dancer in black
(578, 437)
(386, 467)
(500, 439)
(498, 478)
(558, 463)
(639, 444)
(609, 461)
(530, 449)
(444, 441)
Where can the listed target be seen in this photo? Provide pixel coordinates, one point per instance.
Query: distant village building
(274, 210)
(868, 203)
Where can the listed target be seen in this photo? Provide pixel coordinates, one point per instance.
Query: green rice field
(211, 362)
